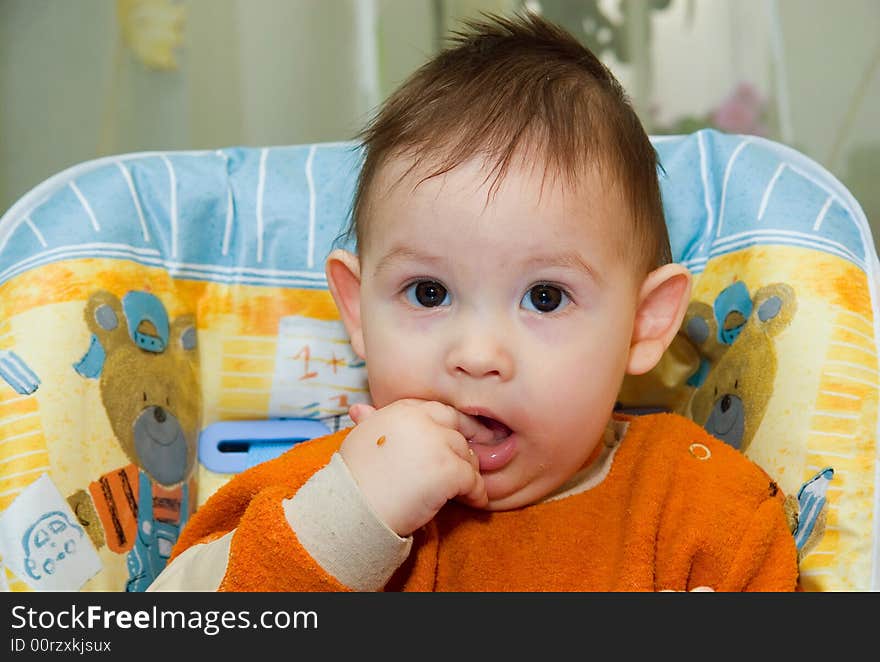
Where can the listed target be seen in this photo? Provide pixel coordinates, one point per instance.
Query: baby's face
(519, 310)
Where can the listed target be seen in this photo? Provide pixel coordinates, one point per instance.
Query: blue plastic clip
(230, 447)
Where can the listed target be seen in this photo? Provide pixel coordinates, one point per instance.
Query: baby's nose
(481, 354)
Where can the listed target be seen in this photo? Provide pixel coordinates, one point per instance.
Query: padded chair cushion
(146, 296)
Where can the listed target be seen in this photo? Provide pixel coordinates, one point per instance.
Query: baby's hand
(410, 457)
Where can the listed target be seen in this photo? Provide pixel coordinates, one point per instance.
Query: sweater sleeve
(749, 547)
(323, 537)
(766, 558)
(353, 544)
(722, 521)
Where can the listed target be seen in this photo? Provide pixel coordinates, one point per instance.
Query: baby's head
(512, 254)
(519, 92)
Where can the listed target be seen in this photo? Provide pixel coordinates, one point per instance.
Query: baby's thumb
(360, 412)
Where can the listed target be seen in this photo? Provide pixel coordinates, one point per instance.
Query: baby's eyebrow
(405, 254)
(570, 260)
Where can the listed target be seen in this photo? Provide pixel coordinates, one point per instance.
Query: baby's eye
(427, 293)
(543, 298)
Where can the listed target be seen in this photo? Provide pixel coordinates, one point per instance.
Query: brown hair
(506, 84)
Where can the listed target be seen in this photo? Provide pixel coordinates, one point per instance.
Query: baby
(512, 266)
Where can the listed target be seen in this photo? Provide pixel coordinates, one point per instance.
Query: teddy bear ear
(701, 329)
(775, 305)
(184, 338)
(105, 319)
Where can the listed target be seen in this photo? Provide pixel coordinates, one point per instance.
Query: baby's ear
(343, 271)
(663, 301)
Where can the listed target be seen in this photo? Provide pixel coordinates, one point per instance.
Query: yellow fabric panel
(823, 411)
(62, 429)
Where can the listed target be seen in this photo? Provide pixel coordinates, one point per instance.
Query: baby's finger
(460, 446)
(360, 412)
(469, 426)
(473, 459)
(472, 488)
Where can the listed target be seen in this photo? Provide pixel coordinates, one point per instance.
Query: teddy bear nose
(725, 403)
(159, 414)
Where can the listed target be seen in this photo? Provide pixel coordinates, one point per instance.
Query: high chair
(165, 323)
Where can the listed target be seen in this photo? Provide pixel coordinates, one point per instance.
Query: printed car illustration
(48, 541)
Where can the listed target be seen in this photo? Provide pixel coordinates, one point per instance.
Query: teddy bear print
(148, 375)
(735, 341)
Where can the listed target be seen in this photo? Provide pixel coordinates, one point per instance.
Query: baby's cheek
(578, 399)
(384, 391)
(578, 381)
(392, 379)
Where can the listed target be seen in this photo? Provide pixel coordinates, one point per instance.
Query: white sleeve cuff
(337, 527)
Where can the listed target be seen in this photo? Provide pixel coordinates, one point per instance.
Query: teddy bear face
(730, 404)
(152, 403)
(736, 339)
(149, 381)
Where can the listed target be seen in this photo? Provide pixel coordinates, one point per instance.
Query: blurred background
(81, 79)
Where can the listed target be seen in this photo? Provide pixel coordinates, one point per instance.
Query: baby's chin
(503, 497)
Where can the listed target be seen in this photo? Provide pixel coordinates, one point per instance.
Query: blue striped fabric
(17, 374)
(725, 192)
(269, 216)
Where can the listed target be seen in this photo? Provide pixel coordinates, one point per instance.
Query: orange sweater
(677, 510)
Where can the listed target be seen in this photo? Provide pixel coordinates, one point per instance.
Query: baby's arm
(766, 559)
(333, 525)
(329, 533)
(722, 524)
(742, 541)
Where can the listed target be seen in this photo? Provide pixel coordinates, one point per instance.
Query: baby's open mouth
(495, 445)
(499, 429)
